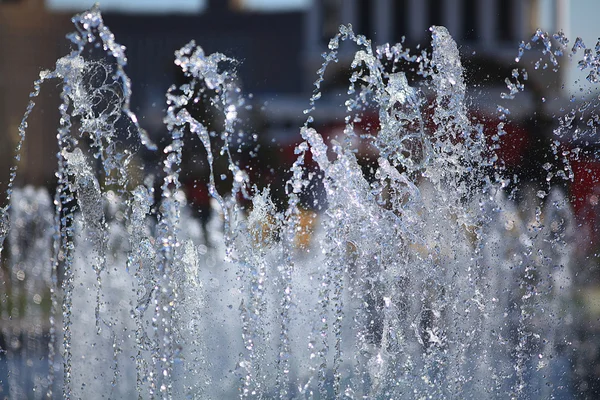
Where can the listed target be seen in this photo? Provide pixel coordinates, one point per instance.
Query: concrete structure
(31, 40)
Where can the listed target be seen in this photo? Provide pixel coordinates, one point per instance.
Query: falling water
(424, 280)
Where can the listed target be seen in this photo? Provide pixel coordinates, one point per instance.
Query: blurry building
(485, 24)
(32, 38)
(487, 32)
(278, 43)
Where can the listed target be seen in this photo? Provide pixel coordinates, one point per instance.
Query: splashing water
(423, 280)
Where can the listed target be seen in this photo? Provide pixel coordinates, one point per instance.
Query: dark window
(469, 23)
(330, 19)
(400, 18)
(504, 21)
(435, 13)
(365, 26)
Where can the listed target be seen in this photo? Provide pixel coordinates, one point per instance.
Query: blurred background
(279, 45)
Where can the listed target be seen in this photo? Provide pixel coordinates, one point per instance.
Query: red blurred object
(585, 198)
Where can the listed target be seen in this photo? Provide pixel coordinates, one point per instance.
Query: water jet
(422, 279)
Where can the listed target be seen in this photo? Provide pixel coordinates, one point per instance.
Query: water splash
(422, 279)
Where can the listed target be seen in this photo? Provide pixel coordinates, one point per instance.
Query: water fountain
(421, 281)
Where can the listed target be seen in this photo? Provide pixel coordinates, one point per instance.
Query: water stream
(421, 279)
